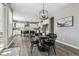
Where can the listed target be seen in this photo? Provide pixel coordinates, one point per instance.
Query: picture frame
(65, 22)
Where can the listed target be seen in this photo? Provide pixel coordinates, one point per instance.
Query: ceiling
(30, 11)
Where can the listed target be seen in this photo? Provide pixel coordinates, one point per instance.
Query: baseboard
(2, 51)
(10, 43)
(67, 44)
(12, 40)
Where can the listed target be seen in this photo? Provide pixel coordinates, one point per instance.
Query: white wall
(1, 28)
(47, 21)
(9, 14)
(69, 35)
(1, 18)
(7, 24)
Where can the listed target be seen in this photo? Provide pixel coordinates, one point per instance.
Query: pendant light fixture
(43, 13)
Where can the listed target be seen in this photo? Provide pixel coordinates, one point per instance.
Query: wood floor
(24, 44)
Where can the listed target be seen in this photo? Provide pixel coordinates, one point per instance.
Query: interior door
(52, 25)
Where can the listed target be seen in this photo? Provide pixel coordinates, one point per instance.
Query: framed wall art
(65, 22)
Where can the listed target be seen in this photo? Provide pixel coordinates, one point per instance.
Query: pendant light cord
(43, 8)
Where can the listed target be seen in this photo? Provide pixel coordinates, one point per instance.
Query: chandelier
(43, 14)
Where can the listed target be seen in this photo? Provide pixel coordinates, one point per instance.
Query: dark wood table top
(43, 37)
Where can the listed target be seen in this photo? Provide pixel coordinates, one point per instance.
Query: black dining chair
(34, 41)
(51, 42)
